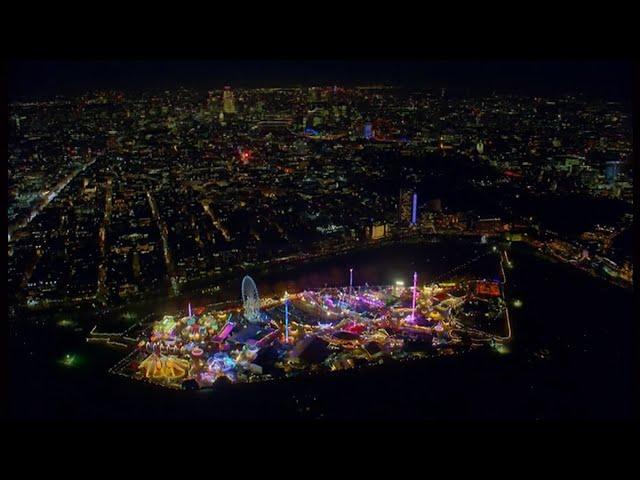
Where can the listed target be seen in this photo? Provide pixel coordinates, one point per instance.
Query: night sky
(45, 79)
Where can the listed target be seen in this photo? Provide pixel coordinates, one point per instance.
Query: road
(216, 223)
(164, 234)
(102, 269)
(53, 193)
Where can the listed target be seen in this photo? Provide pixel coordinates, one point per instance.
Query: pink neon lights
(415, 292)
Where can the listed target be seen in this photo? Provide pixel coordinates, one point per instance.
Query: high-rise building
(228, 102)
(313, 94)
(377, 231)
(406, 207)
(368, 131)
(611, 171)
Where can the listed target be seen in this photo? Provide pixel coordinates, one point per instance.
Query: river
(570, 357)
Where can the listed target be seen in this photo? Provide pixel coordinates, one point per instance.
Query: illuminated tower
(286, 317)
(228, 102)
(415, 292)
(414, 209)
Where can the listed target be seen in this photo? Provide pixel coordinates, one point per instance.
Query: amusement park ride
(250, 300)
(327, 328)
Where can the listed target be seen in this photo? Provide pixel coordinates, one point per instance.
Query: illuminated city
(329, 328)
(267, 248)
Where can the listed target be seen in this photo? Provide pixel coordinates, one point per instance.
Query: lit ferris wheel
(250, 299)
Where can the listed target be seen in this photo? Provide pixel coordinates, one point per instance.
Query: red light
(245, 155)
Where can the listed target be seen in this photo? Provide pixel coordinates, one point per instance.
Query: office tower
(228, 102)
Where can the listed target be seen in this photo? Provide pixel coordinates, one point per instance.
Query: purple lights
(370, 302)
(414, 209)
(415, 292)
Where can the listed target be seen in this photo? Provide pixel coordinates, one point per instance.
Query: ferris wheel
(250, 299)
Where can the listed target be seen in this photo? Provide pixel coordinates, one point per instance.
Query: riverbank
(582, 323)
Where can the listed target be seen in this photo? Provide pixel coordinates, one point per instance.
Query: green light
(69, 360)
(517, 303)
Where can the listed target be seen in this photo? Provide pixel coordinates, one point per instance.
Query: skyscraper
(405, 207)
(313, 95)
(211, 100)
(228, 102)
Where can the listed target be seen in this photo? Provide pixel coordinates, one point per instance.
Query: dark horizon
(38, 80)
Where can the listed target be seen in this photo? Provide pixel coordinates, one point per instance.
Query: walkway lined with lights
(164, 234)
(102, 238)
(61, 185)
(216, 223)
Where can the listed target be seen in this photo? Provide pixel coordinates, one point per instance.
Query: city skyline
(31, 79)
(440, 248)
